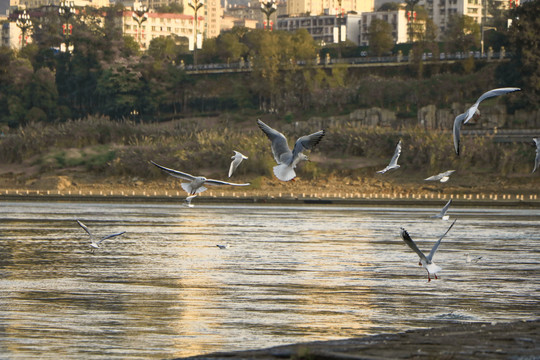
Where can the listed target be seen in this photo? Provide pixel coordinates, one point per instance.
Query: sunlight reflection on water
(291, 274)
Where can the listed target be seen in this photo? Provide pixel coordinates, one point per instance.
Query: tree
(380, 37)
(462, 33)
(229, 47)
(523, 70)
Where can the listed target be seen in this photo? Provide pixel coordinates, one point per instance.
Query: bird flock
(287, 159)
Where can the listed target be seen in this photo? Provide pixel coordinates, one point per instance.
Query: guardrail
(244, 66)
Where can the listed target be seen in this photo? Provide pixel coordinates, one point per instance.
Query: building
(324, 28)
(32, 4)
(396, 19)
(440, 11)
(160, 25)
(228, 22)
(211, 11)
(12, 36)
(320, 7)
(252, 11)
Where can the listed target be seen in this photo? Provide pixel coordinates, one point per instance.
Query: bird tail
(284, 172)
(189, 189)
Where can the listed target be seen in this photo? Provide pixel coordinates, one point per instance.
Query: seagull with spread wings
(285, 158)
(393, 162)
(442, 215)
(95, 243)
(468, 115)
(196, 183)
(425, 261)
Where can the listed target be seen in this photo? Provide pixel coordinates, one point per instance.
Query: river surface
(291, 274)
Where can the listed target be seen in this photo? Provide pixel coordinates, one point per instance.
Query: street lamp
(66, 10)
(195, 5)
(268, 8)
(140, 15)
(24, 23)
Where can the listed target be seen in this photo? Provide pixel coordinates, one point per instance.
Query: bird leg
(436, 278)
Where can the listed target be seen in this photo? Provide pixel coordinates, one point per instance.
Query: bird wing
(397, 152)
(234, 165)
(458, 121)
(280, 147)
(306, 142)
(436, 246)
(447, 173)
(85, 228)
(219, 182)
(175, 173)
(110, 236)
(487, 95)
(434, 177)
(445, 208)
(407, 238)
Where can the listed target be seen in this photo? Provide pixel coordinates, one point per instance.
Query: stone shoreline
(518, 340)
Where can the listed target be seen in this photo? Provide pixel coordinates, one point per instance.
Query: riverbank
(514, 340)
(394, 189)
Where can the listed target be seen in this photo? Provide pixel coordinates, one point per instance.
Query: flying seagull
(425, 261)
(237, 159)
(223, 247)
(187, 201)
(442, 214)
(285, 158)
(442, 177)
(393, 163)
(537, 158)
(467, 115)
(95, 244)
(196, 183)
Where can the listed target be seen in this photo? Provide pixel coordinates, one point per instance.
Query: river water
(291, 274)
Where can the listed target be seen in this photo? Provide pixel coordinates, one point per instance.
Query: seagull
(537, 158)
(442, 214)
(95, 244)
(393, 163)
(187, 201)
(467, 115)
(285, 158)
(470, 259)
(223, 247)
(442, 177)
(196, 184)
(425, 261)
(237, 159)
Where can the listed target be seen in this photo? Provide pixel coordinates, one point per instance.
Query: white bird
(187, 201)
(393, 162)
(469, 259)
(285, 158)
(223, 247)
(237, 159)
(95, 244)
(442, 177)
(467, 115)
(537, 158)
(425, 261)
(442, 214)
(196, 183)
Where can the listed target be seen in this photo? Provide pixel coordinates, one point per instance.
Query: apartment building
(32, 4)
(396, 19)
(324, 28)
(160, 25)
(320, 7)
(211, 11)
